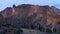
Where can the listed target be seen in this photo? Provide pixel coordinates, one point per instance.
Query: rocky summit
(28, 15)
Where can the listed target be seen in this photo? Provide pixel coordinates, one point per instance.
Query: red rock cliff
(48, 13)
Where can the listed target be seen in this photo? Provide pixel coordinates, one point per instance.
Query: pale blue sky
(9, 3)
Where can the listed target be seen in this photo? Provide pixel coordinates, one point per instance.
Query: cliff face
(43, 15)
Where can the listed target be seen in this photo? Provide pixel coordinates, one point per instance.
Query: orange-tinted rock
(49, 13)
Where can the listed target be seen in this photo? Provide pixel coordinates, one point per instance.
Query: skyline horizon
(9, 3)
(30, 4)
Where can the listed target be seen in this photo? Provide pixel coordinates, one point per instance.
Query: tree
(41, 28)
(2, 21)
(54, 30)
(18, 31)
(33, 27)
(4, 31)
(48, 30)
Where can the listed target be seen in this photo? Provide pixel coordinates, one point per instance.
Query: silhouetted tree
(48, 30)
(4, 31)
(18, 31)
(33, 27)
(59, 30)
(54, 30)
(41, 28)
(2, 21)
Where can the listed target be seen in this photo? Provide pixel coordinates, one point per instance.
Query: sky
(9, 3)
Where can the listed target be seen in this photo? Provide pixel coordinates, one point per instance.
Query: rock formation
(32, 15)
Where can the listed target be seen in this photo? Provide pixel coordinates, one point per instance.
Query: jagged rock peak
(29, 5)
